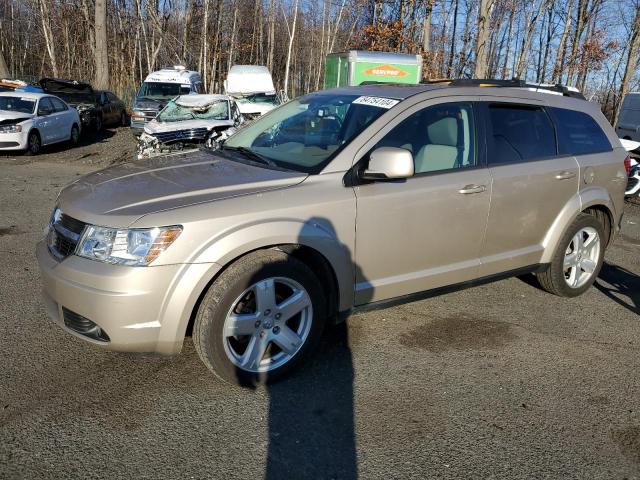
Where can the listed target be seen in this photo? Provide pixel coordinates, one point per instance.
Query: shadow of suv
(340, 200)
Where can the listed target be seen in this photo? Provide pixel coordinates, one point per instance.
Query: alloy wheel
(267, 324)
(581, 257)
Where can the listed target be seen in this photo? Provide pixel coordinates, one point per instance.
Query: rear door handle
(565, 175)
(467, 189)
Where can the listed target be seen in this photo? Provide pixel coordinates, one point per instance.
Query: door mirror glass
(387, 163)
(44, 111)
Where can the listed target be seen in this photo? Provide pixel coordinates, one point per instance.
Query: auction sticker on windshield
(376, 102)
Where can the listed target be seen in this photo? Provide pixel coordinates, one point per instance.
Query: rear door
(63, 119)
(531, 183)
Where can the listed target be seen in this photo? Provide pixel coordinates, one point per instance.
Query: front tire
(577, 260)
(34, 144)
(260, 318)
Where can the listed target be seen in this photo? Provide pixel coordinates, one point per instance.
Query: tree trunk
(526, 42)
(292, 35)
(558, 68)
(101, 50)
(426, 27)
(452, 50)
(632, 58)
(271, 33)
(484, 15)
(4, 70)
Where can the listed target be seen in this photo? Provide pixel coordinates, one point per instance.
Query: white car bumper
(13, 141)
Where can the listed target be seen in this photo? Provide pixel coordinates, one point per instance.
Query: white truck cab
(251, 86)
(628, 126)
(160, 87)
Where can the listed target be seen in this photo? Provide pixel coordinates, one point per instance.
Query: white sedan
(30, 120)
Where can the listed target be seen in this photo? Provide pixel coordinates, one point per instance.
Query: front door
(427, 231)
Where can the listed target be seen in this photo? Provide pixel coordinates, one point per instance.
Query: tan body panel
(382, 240)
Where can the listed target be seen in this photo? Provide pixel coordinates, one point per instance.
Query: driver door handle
(467, 189)
(565, 175)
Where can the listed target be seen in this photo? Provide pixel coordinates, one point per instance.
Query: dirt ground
(108, 147)
(497, 381)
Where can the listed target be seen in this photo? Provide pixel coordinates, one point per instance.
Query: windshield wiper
(247, 152)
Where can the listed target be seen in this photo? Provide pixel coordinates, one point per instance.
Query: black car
(79, 95)
(114, 111)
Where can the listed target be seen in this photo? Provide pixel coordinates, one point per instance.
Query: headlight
(138, 116)
(139, 246)
(10, 129)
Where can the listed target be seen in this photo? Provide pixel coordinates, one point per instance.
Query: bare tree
(484, 14)
(101, 48)
(4, 70)
(292, 35)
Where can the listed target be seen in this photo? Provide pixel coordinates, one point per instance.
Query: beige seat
(441, 153)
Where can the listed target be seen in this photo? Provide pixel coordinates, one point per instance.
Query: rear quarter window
(579, 133)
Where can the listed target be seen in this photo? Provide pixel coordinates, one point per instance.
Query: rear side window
(58, 106)
(520, 133)
(579, 133)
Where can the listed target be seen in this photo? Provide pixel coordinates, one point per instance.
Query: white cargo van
(252, 88)
(160, 87)
(628, 126)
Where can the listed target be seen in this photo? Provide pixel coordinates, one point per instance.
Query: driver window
(441, 137)
(45, 107)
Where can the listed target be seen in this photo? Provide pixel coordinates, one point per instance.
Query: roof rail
(558, 89)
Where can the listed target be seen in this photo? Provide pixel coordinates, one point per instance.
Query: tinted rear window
(520, 133)
(579, 133)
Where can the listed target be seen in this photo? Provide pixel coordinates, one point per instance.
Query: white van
(628, 126)
(160, 87)
(251, 86)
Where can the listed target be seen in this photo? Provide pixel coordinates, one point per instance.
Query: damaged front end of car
(189, 122)
(151, 145)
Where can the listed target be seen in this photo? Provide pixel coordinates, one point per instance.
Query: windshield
(17, 104)
(161, 90)
(304, 134)
(260, 98)
(176, 113)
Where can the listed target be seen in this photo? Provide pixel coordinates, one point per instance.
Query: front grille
(182, 135)
(64, 235)
(149, 114)
(83, 325)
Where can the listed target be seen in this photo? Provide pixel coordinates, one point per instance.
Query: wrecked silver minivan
(189, 122)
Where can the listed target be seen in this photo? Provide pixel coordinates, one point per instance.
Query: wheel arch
(595, 202)
(313, 258)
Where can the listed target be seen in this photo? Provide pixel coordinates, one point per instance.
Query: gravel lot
(497, 381)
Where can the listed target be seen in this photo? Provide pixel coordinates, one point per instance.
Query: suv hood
(150, 104)
(117, 196)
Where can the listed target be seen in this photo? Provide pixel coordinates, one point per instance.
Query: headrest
(444, 132)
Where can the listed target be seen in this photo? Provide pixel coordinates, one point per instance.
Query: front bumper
(141, 309)
(13, 141)
(137, 128)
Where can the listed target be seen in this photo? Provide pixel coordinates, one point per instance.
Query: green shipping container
(356, 66)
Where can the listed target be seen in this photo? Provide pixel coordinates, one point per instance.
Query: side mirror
(387, 163)
(43, 112)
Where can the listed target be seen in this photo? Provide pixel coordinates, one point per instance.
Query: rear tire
(577, 260)
(74, 138)
(246, 339)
